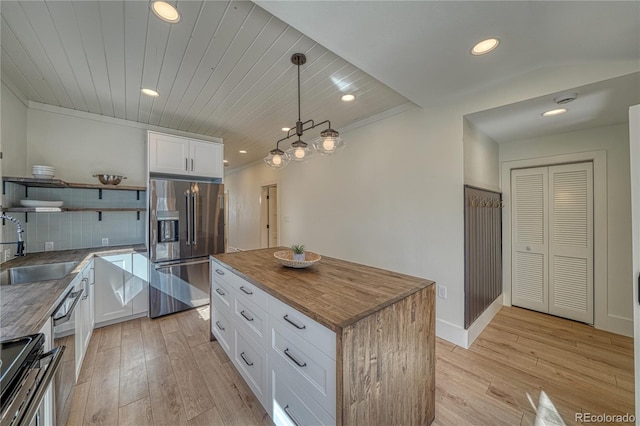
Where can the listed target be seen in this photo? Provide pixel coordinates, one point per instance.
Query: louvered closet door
(571, 241)
(529, 243)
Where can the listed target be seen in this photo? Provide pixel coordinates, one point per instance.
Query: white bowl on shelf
(43, 172)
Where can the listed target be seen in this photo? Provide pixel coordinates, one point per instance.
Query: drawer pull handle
(244, 290)
(299, 327)
(298, 363)
(219, 272)
(220, 292)
(248, 318)
(291, 416)
(219, 326)
(245, 360)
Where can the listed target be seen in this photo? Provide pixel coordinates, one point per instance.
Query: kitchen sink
(29, 274)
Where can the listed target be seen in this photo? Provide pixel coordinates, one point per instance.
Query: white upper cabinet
(182, 156)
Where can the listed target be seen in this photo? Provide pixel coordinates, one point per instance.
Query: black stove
(25, 374)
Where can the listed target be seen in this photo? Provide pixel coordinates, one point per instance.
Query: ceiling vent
(565, 98)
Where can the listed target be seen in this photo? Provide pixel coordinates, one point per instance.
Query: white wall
(617, 310)
(392, 199)
(14, 133)
(481, 167)
(80, 146)
(245, 197)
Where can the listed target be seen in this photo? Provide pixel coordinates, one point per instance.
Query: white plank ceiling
(224, 70)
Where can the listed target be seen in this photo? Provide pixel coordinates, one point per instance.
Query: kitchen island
(337, 342)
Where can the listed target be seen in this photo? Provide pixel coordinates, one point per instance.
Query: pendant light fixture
(328, 142)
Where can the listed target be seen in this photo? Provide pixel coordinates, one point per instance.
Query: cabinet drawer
(222, 328)
(222, 293)
(253, 320)
(310, 368)
(251, 362)
(292, 406)
(304, 327)
(247, 290)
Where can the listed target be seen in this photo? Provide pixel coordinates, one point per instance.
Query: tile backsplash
(74, 229)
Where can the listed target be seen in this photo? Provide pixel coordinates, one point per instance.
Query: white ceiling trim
(38, 106)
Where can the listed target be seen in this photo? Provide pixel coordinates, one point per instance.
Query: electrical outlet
(105, 241)
(442, 292)
(8, 254)
(48, 246)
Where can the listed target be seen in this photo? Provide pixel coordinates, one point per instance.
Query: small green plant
(298, 249)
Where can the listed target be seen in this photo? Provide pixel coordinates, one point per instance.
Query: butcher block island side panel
(384, 325)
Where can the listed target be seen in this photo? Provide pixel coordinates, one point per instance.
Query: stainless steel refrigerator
(186, 225)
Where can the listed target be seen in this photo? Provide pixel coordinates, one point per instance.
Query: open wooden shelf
(28, 182)
(74, 209)
(58, 183)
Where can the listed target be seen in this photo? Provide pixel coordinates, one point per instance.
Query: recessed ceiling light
(485, 46)
(242, 151)
(554, 112)
(165, 11)
(150, 92)
(348, 97)
(225, 161)
(286, 129)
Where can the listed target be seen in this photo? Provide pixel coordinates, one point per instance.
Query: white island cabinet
(177, 155)
(286, 358)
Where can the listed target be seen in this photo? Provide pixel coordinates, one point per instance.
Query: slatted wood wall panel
(483, 251)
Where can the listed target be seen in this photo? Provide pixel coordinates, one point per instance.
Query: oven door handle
(76, 298)
(56, 356)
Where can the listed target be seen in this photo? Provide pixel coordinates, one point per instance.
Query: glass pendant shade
(299, 152)
(329, 142)
(277, 159)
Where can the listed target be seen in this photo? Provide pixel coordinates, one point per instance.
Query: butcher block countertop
(334, 292)
(24, 308)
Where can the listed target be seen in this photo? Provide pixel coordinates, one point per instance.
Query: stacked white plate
(43, 172)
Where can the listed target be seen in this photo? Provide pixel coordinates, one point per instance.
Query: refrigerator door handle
(187, 200)
(193, 215)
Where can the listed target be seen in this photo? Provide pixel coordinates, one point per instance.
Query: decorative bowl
(286, 258)
(107, 179)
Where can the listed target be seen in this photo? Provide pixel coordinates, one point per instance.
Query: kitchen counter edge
(336, 326)
(26, 307)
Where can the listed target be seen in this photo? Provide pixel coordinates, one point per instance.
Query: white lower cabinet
(251, 361)
(292, 406)
(286, 358)
(121, 287)
(308, 366)
(222, 328)
(82, 317)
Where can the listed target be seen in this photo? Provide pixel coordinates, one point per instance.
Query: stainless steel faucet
(20, 242)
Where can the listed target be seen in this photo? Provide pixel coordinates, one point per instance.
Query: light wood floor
(166, 372)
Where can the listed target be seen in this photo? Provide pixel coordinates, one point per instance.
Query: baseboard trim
(483, 320)
(464, 338)
(451, 333)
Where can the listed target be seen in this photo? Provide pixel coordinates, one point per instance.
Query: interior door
(571, 241)
(530, 282)
(273, 216)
